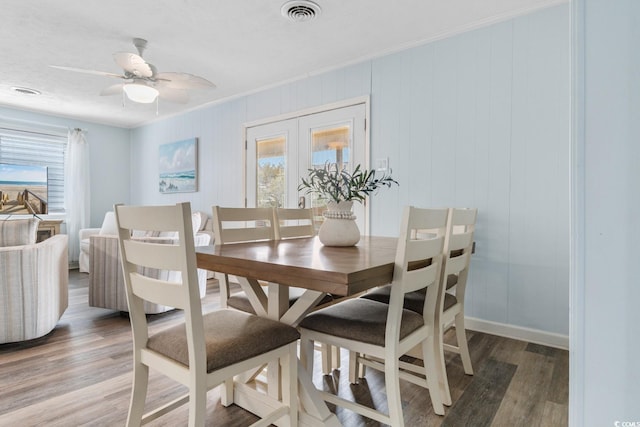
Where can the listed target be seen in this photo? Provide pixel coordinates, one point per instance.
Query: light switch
(382, 165)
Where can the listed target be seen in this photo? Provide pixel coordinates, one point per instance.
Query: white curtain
(76, 185)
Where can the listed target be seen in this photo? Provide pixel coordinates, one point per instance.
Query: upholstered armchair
(106, 281)
(108, 228)
(34, 279)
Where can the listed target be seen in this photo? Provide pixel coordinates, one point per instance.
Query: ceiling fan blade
(133, 64)
(81, 70)
(179, 96)
(183, 81)
(112, 90)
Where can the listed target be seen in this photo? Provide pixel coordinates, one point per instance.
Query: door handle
(302, 202)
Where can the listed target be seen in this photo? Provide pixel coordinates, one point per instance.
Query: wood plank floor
(80, 375)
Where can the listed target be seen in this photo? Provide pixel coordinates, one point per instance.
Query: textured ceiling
(240, 45)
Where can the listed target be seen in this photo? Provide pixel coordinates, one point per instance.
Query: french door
(280, 153)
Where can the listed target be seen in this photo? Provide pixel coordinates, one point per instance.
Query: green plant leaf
(333, 184)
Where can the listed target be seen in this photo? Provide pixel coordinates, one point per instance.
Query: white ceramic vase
(339, 227)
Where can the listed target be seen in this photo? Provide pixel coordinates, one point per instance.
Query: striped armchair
(34, 279)
(106, 280)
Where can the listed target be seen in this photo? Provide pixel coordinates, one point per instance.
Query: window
(22, 147)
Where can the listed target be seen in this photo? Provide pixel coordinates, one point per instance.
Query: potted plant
(340, 188)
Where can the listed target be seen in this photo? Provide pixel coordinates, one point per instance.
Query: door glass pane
(271, 172)
(280, 153)
(330, 144)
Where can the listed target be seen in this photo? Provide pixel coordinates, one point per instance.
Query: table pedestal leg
(313, 410)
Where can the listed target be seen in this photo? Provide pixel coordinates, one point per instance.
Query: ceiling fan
(143, 83)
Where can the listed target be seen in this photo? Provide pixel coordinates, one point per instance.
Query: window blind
(38, 149)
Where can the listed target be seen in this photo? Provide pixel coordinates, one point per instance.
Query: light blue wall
(481, 119)
(109, 157)
(605, 373)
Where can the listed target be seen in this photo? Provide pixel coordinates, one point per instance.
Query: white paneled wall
(480, 119)
(483, 119)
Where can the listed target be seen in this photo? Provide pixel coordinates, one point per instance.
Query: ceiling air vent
(300, 10)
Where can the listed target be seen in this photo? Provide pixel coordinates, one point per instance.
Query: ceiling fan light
(140, 93)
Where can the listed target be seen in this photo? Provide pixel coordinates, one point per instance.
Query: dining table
(302, 263)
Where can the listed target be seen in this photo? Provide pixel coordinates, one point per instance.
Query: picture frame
(178, 166)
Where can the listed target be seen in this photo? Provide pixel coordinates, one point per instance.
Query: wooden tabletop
(306, 263)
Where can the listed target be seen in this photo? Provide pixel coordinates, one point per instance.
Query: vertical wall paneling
(494, 301)
(417, 186)
(444, 123)
(479, 119)
(466, 121)
(480, 262)
(387, 112)
(536, 203)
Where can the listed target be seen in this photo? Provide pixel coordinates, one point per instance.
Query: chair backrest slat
(415, 279)
(169, 294)
(460, 241)
(417, 264)
(462, 216)
(154, 219)
(235, 225)
(456, 264)
(293, 223)
(458, 247)
(163, 256)
(239, 235)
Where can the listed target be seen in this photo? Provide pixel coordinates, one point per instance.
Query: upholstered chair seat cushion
(238, 336)
(452, 280)
(413, 301)
(366, 318)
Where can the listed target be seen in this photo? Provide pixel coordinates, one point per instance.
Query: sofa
(34, 280)
(106, 281)
(200, 222)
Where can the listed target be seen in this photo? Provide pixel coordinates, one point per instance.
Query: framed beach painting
(178, 166)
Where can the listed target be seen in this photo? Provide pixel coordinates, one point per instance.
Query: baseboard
(518, 332)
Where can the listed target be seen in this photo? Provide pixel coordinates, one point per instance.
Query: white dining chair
(387, 331)
(458, 248)
(237, 225)
(293, 223)
(203, 351)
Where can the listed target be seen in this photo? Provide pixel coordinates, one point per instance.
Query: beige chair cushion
(367, 321)
(231, 336)
(18, 232)
(452, 280)
(413, 301)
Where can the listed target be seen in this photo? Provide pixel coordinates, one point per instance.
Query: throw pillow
(18, 232)
(198, 220)
(109, 225)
